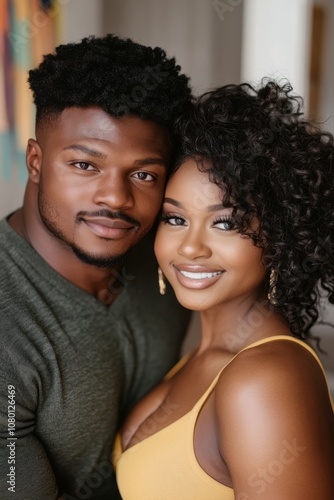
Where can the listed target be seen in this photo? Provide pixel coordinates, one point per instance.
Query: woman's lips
(197, 277)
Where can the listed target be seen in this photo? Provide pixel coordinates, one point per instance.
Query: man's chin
(101, 262)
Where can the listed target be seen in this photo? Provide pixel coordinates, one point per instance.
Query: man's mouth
(112, 229)
(106, 222)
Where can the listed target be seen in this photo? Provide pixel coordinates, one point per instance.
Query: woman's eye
(224, 224)
(173, 220)
(144, 176)
(83, 165)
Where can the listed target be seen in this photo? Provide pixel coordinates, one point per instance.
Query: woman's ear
(34, 160)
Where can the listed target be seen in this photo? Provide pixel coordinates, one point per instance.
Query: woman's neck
(232, 327)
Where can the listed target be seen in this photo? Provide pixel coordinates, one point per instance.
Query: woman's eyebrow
(177, 204)
(210, 208)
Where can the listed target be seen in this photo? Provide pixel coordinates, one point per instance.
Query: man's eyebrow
(99, 154)
(86, 150)
(210, 208)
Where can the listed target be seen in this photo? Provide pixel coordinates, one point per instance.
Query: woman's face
(206, 260)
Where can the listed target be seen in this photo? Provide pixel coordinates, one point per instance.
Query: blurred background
(215, 41)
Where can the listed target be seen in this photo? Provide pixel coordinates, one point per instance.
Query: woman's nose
(194, 245)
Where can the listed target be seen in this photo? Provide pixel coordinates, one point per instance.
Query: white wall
(276, 42)
(326, 112)
(81, 18)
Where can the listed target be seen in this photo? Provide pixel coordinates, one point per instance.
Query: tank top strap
(206, 394)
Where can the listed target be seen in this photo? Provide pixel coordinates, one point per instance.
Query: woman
(246, 238)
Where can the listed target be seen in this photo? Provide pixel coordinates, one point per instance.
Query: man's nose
(115, 192)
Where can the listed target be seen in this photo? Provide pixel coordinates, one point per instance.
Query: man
(84, 332)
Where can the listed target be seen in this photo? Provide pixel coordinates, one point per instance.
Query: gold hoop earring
(272, 297)
(162, 284)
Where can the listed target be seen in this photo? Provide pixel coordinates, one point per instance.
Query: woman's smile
(196, 276)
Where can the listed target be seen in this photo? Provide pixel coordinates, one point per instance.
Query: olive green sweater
(70, 366)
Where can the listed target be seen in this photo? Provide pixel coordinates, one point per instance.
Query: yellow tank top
(164, 466)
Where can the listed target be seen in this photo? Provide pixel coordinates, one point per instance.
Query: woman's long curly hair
(275, 166)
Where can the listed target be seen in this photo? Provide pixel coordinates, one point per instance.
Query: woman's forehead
(190, 185)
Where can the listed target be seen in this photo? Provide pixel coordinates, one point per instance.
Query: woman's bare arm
(276, 425)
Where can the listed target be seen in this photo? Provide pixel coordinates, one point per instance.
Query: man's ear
(34, 160)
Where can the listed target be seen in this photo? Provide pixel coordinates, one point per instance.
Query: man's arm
(25, 471)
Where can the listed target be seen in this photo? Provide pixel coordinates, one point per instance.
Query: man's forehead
(94, 122)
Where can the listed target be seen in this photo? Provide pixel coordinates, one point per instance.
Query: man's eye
(83, 165)
(144, 176)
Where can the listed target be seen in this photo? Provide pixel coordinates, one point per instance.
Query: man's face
(101, 181)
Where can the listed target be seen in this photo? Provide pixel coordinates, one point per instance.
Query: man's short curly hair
(273, 165)
(116, 74)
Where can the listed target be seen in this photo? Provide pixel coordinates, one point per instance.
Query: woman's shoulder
(274, 364)
(272, 402)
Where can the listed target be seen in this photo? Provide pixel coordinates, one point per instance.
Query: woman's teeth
(199, 276)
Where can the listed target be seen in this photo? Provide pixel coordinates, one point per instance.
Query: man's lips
(113, 223)
(108, 228)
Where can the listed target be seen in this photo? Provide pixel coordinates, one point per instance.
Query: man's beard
(100, 262)
(49, 217)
